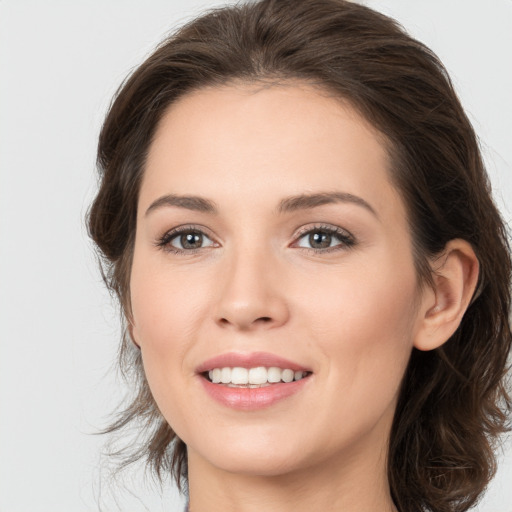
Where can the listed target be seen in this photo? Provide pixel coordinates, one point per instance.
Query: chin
(251, 452)
(262, 464)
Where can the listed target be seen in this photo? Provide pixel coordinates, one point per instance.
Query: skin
(351, 313)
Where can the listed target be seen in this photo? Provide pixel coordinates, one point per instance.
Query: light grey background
(60, 63)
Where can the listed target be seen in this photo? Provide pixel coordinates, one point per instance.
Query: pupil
(191, 240)
(320, 240)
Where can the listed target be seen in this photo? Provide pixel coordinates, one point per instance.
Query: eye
(181, 240)
(325, 239)
(192, 240)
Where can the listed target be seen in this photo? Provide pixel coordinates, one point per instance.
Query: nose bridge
(250, 296)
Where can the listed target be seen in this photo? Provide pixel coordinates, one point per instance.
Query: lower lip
(250, 399)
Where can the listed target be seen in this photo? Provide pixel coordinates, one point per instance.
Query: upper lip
(248, 360)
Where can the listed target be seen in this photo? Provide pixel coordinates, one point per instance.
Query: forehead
(268, 141)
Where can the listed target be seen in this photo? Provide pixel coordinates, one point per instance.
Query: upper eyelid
(298, 232)
(319, 227)
(184, 228)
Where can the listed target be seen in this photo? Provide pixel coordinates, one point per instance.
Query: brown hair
(453, 403)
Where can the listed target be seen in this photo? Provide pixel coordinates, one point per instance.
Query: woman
(296, 219)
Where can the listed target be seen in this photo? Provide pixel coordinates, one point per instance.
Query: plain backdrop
(60, 63)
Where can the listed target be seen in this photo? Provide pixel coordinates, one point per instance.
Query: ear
(455, 276)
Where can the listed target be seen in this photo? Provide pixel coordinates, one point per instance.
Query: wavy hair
(453, 403)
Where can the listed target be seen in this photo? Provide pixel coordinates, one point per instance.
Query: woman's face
(269, 235)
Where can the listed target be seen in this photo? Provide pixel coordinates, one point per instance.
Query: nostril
(261, 319)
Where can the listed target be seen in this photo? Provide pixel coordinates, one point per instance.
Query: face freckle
(267, 223)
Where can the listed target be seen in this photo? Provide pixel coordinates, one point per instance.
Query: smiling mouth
(258, 377)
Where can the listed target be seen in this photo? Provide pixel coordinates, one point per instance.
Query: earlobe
(455, 276)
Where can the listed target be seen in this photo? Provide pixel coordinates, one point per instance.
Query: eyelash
(346, 240)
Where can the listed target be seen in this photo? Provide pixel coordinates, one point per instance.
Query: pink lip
(248, 399)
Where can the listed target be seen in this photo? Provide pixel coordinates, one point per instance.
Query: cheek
(166, 306)
(165, 311)
(364, 322)
(362, 298)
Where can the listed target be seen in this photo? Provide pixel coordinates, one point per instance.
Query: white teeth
(216, 375)
(274, 374)
(225, 375)
(254, 377)
(287, 375)
(240, 376)
(258, 375)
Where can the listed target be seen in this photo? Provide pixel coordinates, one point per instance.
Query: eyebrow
(287, 205)
(308, 201)
(195, 203)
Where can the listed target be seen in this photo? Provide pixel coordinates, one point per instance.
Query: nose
(252, 296)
